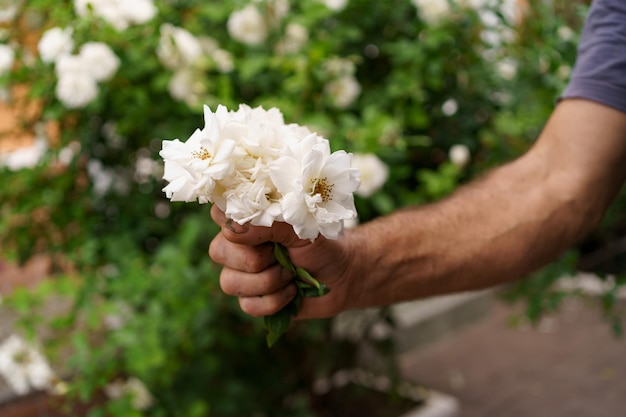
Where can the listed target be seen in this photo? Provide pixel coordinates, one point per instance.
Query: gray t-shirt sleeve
(600, 70)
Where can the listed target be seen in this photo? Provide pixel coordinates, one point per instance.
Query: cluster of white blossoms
(118, 13)
(78, 74)
(185, 54)
(23, 367)
(258, 169)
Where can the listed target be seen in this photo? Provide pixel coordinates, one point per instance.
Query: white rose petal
(55, 43)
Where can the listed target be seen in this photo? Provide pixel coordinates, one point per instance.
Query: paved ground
(570, 366)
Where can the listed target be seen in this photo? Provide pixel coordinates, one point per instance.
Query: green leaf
(277, 324)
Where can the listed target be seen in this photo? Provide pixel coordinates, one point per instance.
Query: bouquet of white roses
(258, 169)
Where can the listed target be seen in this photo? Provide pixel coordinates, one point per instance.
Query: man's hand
(263, 287)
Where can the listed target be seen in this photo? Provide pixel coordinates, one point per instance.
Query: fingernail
(237, 228)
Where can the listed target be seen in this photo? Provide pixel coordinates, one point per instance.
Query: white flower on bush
(78, 74)
(338, 67)
(105, 179)
(450, 107)
(565, 33)
(432, 11)
(76, 87)
(186, 85)
(101, 62)
(54, 43)
(25, 157)
(141, 399)
(336, 5)
(374, 173)
(343, 91)
(296, 36)
(276, 10)
(23, 367)
(8, 11)
(137, 11)
(177, 47)
(317, 187)
(247, 26)
(7, 57)
(222, 58)
(118, 13)
(506, 68)
(459, 155)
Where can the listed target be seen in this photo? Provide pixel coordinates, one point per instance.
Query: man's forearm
(507, 224)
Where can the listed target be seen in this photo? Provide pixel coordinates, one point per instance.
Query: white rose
(76, 90)
(337, 67)
(336, 5)
(7, 57)
(102, 61)
(55, 43)
(507, 69)
(23, 367)
(185, 86)
(223, 60)
(118, 13)
(432, 11)
(459, 155)
(343, 91)
(25, 157)
(317, 187)
(296, 36)
(374, 173)
(247, 26)
(71, 64)
(8, 12)
(276, 11)
(450, 107)
(177, 47)
(138, 11)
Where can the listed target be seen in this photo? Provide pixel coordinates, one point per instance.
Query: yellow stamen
(203, 154)
(323, 188)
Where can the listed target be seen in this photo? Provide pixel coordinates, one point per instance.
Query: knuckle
(216, 251)
(229, 283)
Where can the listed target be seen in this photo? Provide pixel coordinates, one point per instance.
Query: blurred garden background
(427, 94)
